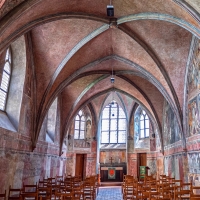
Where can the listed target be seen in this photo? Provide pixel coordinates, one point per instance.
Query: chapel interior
(82, 89)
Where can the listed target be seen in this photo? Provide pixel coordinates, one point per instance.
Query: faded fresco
(174, 166)
(153, 144)
(169, 166)
(81, 144)
(152, 138)
(170, 129)
(194, 168)
(153, 167)
(118, 156)
(194, 71)
(194, 163)
(132, 164)
(28, 168)
(160, 167)
(158, 143)
(136, 130)
(194, 116)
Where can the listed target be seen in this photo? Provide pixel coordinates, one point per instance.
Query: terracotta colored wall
(160, 165)
(117, 155)
(91, 160)
(192, 156)
(132, 164)
(18, 164)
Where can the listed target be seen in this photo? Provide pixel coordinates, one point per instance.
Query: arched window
(144, 125)
(79, 127)
(113, 124)
(5, 80)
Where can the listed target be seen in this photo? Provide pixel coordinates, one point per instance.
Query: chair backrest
(59, 178)
(52, 180)
(194, 198)
(197, 196)
(29, 192)
(45, 193)
(29, 195)
(64, 196)
(29, 188)
(14, 193)
(195, 189)
(42, 183)
(3, 196)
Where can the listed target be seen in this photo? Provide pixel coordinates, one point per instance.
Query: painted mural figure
(193, 116)
(88, 130)
(136, 130)
(198, 160)
(194, 72)
(171, 128)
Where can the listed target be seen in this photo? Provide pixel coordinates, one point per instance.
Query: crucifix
(111, 159)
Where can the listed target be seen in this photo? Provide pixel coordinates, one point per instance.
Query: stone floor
(110, 193)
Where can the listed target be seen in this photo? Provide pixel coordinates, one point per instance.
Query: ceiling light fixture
(112, 80)
(110, 10)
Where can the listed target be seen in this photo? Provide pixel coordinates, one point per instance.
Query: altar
(112, 172)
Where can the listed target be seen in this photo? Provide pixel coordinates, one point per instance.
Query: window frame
(5, 81)
(110, 118)
(79, 129)
(145, 127)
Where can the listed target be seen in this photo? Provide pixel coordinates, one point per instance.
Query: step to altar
(105, 184)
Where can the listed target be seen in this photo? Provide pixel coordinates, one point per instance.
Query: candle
(119, 160)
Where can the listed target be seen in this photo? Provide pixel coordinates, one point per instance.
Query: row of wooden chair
(68, 188)
(164, 188)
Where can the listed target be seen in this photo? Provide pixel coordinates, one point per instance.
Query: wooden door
(142, 161)
(79, 165)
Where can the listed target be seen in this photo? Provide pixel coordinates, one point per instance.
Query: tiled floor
(110, 193)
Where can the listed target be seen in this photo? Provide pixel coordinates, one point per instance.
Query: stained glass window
(144, 125)
(113, 124)
(5, 80)
(79, 126)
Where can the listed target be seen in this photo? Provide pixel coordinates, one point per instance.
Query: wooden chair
(64, 196)
(29, 195)
(138, 189)
(77, 182)
(154, 195)
(180, 193)
(14, 193)
(168, 197)
(146, 192)
(59, 179)
(29, 191)
(78, 192)
(177, 183)
(195, 189)
(42, 183)
(185, 190)
(44, 193)
(3, 196)
(128, 188)
(29, 188)
(68, 184)
(89, 188)
(52, 180)
(194, 196)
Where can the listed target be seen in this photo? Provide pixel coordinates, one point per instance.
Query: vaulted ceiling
(76, 48)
